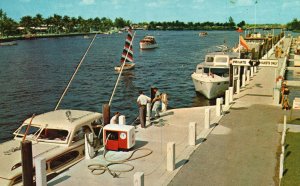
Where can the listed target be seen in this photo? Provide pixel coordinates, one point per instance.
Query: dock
(239, 147)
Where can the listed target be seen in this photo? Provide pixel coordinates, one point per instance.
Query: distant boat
(148, 42)
(8, 43)
(203, 34)
(86, 37)
(127, 54)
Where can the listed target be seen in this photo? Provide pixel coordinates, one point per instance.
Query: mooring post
(248, 77)
(281, 166)
(207, 118)
(164, 102)
(218, 107)
(170, 156)
(27, 166)
(106, 113)
(243, 80)
(227, 98)
(284, 125)
(122, 120)
(40, 171)
(192, 133)
(251, 71)
(148, 115)
(88, 147)
(255, 69)
(238, 87)
(230, 94)
(138, 179)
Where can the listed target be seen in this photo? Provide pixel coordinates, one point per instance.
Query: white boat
(57, 136)
(148, 42)
(211, 77)
(8, 43)
(203, 34)
(127, 55)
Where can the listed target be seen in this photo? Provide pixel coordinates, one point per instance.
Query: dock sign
(261, 62)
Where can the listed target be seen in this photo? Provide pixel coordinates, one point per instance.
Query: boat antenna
(77, 68)
(123, 64)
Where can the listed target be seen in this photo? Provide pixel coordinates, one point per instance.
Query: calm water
(34, 73)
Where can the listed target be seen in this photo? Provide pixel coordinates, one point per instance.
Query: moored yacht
(57, 136)
(211, 77)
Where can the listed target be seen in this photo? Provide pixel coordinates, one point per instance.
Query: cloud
(87, 2)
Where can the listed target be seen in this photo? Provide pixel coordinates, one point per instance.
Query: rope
(77, 68)
(117, 82)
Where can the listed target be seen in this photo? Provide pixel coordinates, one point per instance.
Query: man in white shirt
(142, 101)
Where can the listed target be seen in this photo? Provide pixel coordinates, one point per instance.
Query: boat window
(209, 59)
(33, 130)
(63, 160)
(80, 132)
(53, 134)
(222, 59)
(223, 72)
(206, 70)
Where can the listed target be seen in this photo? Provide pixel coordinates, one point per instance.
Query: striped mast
(127, 56)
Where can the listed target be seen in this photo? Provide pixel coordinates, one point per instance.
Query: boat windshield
(223, 72)
(42, 134)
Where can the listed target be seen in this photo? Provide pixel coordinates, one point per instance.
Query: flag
(239, 30)
(127, 50)
(244, 43)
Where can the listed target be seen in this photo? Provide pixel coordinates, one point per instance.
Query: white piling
(248, 77)
(284, 125)
(170, 156)
(227, 98)
(40, 171)
(243, 80)
(251, 71)
(238, 86)
(192, 133)
(255, 69)
(281, 165)
(122, 120)
(164, 102)
(283, 138)
(230, 94)
(148, 115)
(218, 107)
(89, 150)
(207, 118)
(138, 179)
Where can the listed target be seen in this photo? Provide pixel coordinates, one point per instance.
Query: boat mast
(117, 82)
(77, 68)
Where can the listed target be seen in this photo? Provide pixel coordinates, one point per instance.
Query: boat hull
(126, 67)
(148, 46)
(210, 87)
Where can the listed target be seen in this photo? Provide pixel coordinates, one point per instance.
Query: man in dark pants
(142, 101)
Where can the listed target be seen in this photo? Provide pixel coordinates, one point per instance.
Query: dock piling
(230, 94)
(248, 77)
(148, 114)
(170, 156)
(243, 80)
(207, 118)
(227, 98)
(218, 107)
(27, 166)
(238, 87)
(251, 71)
(192, 133)
(138, 179)
(40, 171)
(106, 113)
(122, 120)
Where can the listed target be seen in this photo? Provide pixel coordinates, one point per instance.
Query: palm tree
(27, 23)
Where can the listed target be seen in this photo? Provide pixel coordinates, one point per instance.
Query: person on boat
(142, 101)
(156, 102)
(114, 119)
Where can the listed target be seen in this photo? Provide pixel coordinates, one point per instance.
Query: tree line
(57, 24)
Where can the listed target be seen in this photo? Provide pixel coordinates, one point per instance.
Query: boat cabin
(58, 136)
(220, 59)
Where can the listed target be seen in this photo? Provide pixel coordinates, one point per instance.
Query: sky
(250, 11)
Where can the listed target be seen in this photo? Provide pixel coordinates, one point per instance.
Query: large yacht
(57, 136)
(211, 77)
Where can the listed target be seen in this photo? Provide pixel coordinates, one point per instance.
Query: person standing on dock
(142, 101)
(156, 102)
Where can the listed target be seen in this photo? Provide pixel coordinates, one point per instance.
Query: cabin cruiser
(148, 42)
(211, 77)
(57, 136)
